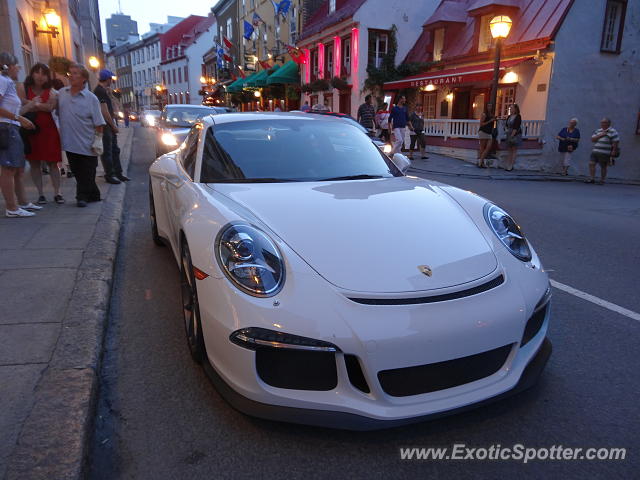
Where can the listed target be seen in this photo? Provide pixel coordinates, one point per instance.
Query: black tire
(190, 306)
(157, 239)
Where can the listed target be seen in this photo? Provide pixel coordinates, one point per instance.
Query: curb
(526, 177)
(56, 435)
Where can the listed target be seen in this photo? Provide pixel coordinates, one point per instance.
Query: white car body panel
(357, 238)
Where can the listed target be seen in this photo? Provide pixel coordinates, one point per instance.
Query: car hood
(372, 235)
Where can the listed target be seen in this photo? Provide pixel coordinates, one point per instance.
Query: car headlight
(508, 231)
(150, 120)
(169, 139)
(250, 260)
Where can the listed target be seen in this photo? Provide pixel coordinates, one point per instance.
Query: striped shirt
(604, 144)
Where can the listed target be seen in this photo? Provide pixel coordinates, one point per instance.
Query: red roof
(533, 20)
(319, 21)
(185, 33)
(453, 76)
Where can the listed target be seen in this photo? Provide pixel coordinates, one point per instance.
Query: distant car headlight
(151, 120)
(250, 260)
(508, 231)
(169, 139)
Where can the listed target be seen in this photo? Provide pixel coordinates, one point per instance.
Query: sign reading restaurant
(438, 81)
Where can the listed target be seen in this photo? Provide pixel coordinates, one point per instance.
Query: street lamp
(94, 63)
(52, 21)
(500, 27)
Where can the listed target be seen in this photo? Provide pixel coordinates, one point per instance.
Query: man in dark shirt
(111, 156)
(398, 123)
(366, 113)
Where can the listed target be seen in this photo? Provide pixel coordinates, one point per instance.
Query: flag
(220, 54)
(233, 77)
(275, 7)
(227, 58)
(296, 54)
(248, 30)
(241, 72)
(227, 42)
(264, 65)
(256, 20)
(283, 7)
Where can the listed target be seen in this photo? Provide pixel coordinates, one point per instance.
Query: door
(345, 102)
(461, 103)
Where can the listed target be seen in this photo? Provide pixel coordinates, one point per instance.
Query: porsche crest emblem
(425, 269)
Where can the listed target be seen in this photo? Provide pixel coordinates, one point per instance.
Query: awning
(236, 86)
(287, 74)
(262, 81)
(257, 79)
(453, 76)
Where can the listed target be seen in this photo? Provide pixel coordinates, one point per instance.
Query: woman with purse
(485, 134)
(569, 138)
(11, 146)
(39, 100)
(514, 134)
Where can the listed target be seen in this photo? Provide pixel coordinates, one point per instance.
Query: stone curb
(55, 437)
(526, 177)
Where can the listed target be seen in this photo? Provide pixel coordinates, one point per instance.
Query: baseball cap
(105, 75)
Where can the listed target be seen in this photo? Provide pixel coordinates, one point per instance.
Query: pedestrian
(366, 114)
(382, 121)
(126, 118)
(485, 134)
(514, 134)
(81, 127)
(11, 147)
(398, 119)
(39, 99)
(111, 152)
(416, 125)
(305, 108)
(569, 138)
(606, 144)
(277, 109)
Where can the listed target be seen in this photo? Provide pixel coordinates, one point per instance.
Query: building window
(179, 75)
(346, 55)
(484, 36)
(293, 26)
(26, 45)
(438, 44)
(186, 75)
(314, 65)
(506, 98)
(173, 75)
(328, 60)
(229, 29)
(429, 103)
(332, 6)
(378, 43)
(613, 26)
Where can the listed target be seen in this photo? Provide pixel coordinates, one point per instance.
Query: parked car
(175, 122)
(149, 118)
(386, 148)
(320, 285)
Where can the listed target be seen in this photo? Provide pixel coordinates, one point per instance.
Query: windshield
(184, 116)
(289, 150)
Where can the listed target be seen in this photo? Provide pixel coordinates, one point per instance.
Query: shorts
(484, 135)
(601, 158)
(566, 159)
(14, 155)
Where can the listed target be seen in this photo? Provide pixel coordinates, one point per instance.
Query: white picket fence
(453, 128)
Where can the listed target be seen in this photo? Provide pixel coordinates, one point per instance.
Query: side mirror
(402, 162)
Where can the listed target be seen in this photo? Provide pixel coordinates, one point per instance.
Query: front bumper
(350, 421)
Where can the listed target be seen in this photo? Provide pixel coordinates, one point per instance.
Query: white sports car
(322, 286)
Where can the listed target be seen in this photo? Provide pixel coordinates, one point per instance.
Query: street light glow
(94, 62)
(52, 18)
(203, 80)
(500, 26)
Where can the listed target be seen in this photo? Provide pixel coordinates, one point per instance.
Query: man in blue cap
(111, 155)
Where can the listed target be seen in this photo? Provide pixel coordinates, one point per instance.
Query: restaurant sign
(453, 80)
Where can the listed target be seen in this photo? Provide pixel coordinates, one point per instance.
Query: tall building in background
(120, 28)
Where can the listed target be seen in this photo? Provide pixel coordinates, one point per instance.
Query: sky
(152, 11)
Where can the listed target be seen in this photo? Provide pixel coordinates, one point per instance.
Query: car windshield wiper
(352, 177)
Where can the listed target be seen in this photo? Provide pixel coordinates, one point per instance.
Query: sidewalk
(55, 278)
(442, 165)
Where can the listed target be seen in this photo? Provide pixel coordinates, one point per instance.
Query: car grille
(403, 382)
(534, 324)
(297, 369)
(434, 298)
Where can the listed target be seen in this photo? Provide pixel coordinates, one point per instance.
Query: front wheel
(190, 306)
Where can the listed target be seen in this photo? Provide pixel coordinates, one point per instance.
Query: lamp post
(500, 27)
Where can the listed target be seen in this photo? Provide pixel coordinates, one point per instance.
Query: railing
(454, 128)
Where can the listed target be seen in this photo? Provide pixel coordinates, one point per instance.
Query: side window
(188, 158)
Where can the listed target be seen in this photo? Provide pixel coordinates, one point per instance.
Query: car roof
(247, 116)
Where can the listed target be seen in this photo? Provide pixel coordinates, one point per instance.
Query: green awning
(257, 79)
(287, 74)
(236, 86)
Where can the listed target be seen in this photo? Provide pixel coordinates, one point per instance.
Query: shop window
(438, 44)
(346, 55)
(506, 98)
(613, 26)
(485, 38)
(378, 45)
(429, 104)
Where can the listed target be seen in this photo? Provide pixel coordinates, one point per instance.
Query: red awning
(453, 76)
